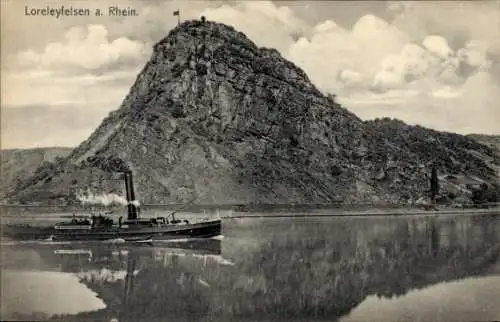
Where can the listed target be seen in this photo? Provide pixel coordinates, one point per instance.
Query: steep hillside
(465, 166)
(18, 165)
(214, 119)
(492, 141)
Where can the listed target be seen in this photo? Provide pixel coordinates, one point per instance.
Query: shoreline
(257, 211)
(379, 213)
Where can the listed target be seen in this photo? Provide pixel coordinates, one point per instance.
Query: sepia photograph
(253, 161)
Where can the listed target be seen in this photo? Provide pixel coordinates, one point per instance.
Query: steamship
(103, 227)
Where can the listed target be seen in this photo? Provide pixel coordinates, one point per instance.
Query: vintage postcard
(168, 160)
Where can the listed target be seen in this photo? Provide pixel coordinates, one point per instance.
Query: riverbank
(263, 210)
(370, 213)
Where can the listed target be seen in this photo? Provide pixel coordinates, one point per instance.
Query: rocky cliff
(212, 118)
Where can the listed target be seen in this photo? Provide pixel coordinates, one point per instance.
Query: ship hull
(197, 230)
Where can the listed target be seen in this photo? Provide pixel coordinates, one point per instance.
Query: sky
(433, 63)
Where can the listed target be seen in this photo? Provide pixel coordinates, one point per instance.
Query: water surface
(290, 269)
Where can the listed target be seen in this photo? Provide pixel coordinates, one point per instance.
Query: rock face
(213, 119)
(18, 165)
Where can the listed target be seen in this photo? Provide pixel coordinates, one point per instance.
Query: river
(405, 268)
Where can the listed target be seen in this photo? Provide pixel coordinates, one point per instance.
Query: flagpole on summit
(178, 14)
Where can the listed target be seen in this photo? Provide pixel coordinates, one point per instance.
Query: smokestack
(129, 187)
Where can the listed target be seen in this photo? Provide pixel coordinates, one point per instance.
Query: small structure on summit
(203, 19)
(178, 14)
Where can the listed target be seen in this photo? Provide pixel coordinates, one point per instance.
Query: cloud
(48, 88)
(366, 99)
(427, 77)
(476, 54)
(332, 50)
(437, 45)
(86, 48)
(386, 79)
(412, 62)
(39, 126)
(351, 78)
(446, 92)
(471, 107)
(262, 21)
(375, 33)
(455, 21)
(95, 65)
(338, 59)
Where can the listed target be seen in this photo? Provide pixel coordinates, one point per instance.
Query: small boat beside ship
(102, 227)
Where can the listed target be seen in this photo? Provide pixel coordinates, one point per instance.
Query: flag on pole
(178, 14)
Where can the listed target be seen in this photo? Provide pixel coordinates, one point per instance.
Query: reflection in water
(297, 269)
(64, 278)
(45, 293)
(326, 269)
(442, 302)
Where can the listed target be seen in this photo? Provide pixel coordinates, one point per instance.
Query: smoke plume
(102, 199)
(135, 203)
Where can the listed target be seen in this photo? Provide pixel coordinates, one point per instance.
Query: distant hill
(214, 119)
(18, 165)
(489, 140)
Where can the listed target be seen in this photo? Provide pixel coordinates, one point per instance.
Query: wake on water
(187, 240)
(51, 241)
(114, 241)
(34, 242)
